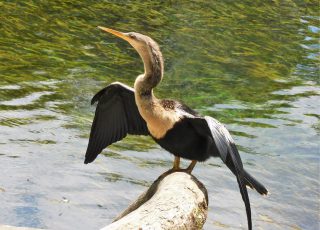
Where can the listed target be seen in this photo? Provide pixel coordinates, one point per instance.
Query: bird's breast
(159, 119)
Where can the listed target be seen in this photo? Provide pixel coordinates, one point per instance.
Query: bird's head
(147, 48)
(143, 44)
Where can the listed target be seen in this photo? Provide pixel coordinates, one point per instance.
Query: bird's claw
(176, 166)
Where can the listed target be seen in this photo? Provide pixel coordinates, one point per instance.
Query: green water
(251, 64)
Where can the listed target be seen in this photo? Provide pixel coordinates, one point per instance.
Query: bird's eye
(132, 36)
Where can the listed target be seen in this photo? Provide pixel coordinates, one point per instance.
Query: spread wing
(227, 151)
(116, 116)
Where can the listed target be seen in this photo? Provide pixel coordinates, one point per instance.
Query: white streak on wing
(221, 136)
(123, 85)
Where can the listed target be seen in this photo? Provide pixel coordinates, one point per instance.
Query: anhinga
(123, 110)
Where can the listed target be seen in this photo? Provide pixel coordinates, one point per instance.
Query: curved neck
(153, 71)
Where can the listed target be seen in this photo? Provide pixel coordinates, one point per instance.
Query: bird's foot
(176, 166)
(191, 166)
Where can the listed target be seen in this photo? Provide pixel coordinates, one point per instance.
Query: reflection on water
(252, 65)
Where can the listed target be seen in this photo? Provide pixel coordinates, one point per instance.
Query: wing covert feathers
(116, 116)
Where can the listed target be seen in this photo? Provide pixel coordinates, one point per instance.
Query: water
(252, 65)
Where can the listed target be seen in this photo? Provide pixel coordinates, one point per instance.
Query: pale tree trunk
(176, 200)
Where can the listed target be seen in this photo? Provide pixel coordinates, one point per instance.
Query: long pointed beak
(116, 33)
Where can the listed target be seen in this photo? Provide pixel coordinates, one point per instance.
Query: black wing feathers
(227, 151)
(116, 116)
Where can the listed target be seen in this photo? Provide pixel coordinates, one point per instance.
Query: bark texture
(176, 200)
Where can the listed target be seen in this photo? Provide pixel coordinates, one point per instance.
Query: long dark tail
(234, 163)
(254, 184)
(224, 146)
(245, 198)
(248, 179)
(245, 179)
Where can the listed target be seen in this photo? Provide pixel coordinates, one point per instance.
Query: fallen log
(176, 200)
